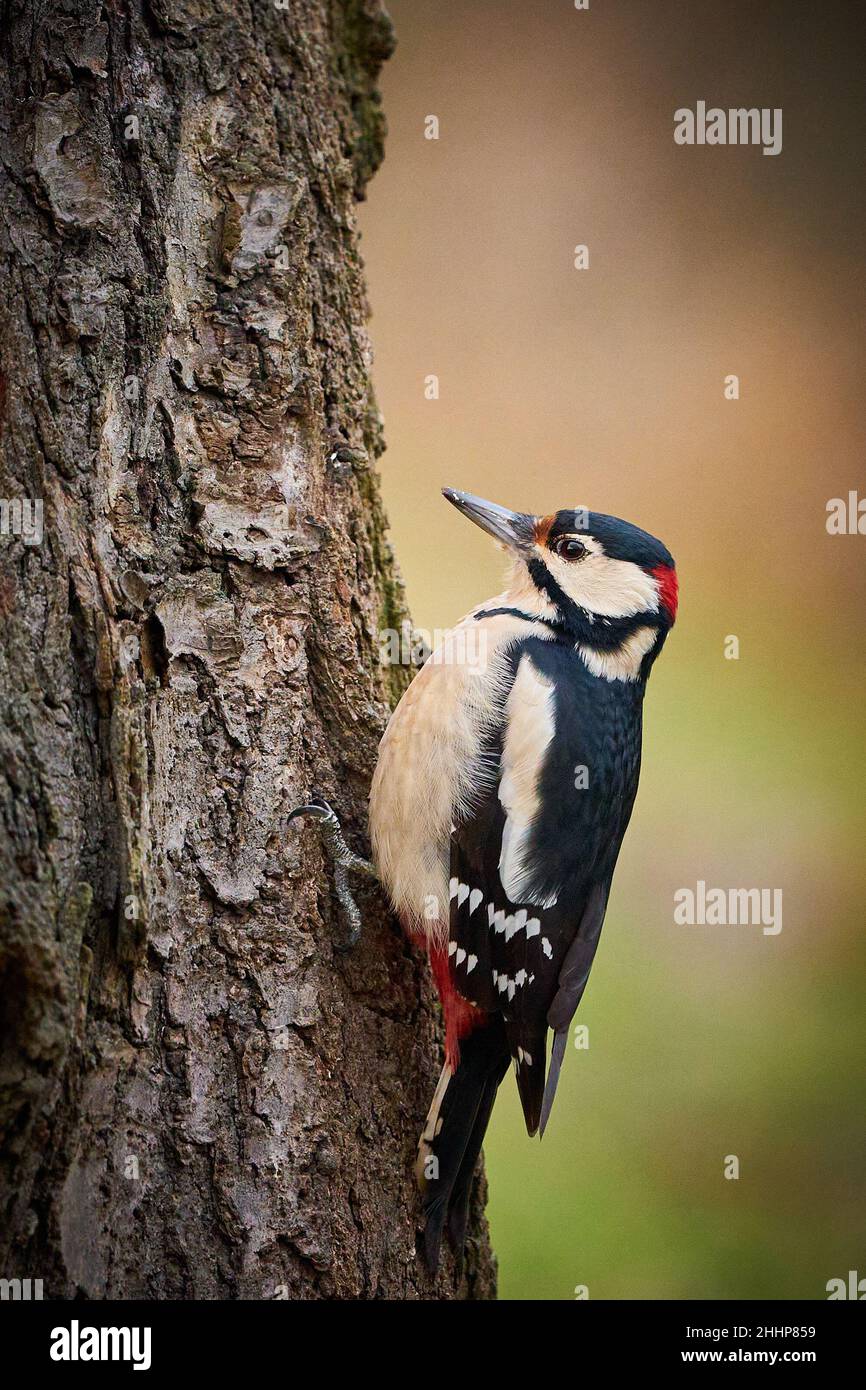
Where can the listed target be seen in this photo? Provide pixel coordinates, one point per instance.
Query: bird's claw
(344, 861)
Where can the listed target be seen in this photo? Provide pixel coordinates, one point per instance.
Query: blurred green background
(604, 388)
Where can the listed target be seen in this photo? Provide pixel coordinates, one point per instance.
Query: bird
(503, 788)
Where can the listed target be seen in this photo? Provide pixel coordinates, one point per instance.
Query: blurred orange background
(604, 387)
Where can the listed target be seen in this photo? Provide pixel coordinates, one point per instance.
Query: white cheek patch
(610, 588)
(625, 662)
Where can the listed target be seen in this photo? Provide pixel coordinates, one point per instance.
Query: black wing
(531, 864)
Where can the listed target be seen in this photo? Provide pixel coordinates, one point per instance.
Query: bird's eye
(569, 548)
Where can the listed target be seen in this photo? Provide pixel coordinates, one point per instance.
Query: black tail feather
(434, 1220)
(557, 1052)
(458, 1207)
(454, 1133)
(530, 1054)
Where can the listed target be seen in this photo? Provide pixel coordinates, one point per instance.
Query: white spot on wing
(474, 899)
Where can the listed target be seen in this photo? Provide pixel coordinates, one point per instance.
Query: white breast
(429, 765)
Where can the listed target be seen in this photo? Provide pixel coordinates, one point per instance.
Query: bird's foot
(343, 860)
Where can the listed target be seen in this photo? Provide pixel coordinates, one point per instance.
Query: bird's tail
(529, 1050)
(454, 1132)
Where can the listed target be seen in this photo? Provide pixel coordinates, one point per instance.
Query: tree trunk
(201, 1096)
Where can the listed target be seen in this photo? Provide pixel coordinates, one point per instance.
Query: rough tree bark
(201, 1097)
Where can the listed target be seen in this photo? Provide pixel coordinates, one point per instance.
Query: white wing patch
(530, 727)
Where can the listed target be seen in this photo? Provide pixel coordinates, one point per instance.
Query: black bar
(263, 1339)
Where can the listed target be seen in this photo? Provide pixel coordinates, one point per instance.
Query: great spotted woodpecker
(503, 789)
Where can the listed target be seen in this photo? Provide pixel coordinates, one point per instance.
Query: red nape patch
(669, 587)
(460, 1016)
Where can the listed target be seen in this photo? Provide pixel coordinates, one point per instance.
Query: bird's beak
(513, 529)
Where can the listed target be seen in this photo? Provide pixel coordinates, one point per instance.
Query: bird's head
(603, 577)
